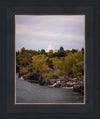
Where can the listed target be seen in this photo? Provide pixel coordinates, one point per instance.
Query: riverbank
(27, 92)
(68, 82)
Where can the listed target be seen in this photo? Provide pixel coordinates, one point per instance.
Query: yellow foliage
(24, 70)
(56, 61)
(44, 68)
(38, 60)
(71, 61)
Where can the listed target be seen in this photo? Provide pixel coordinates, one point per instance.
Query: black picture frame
(8, 9)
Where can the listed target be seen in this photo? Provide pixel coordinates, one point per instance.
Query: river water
(27, 92)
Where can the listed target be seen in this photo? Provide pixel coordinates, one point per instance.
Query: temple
(50, 47)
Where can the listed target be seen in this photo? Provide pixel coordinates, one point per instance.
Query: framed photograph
(49, 59)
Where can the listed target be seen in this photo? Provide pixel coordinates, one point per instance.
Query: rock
(42, 82)
(78, 88)
(61, 77)
(32, 76)
(60, 82)
(66, 77)
(57, 85)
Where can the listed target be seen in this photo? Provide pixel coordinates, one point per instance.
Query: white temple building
(51, 47)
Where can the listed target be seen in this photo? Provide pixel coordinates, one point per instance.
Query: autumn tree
(56, 62)
(73, 63)
(39, 63)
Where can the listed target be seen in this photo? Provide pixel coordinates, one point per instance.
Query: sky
(35, 31)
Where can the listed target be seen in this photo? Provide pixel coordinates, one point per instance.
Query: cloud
(35, 31)
(24, 29)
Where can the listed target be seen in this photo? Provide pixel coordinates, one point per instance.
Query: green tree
(22, 50)
(82, 50)
(60, 52)
(73, 63)
(50, 55)
(74, 51)
(43, 51)
(17, 53)
(80, 67)
(49, 63)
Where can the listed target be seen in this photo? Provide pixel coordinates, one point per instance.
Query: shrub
(52, 76)
(73, 63)
(79, 74)
(61, 73)
(80, 66)
(23, 71)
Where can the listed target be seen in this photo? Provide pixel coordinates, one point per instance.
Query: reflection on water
(27, 92)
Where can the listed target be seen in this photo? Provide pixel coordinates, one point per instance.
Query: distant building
(51, 47)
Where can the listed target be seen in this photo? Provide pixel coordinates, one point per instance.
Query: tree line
(50, 65)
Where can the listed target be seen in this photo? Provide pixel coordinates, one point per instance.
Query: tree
(80, 67)
(73, 63)
(49, 63)
(43, 51)
(21, 61)
(39, 61)
(60, 52)
(50, 54)
(74, 51)
(56, 62)
(82, 50)
(17, 53)
(22, 50)
(61, 48)
(67, 52)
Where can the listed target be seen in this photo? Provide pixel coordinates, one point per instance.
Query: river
(27, 92)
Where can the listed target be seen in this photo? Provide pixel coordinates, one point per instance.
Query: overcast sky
(34, 32)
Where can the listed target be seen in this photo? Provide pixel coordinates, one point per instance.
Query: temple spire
(50, 46)
(51, 39)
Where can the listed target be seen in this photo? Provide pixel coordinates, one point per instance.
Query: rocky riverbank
(76, 84)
